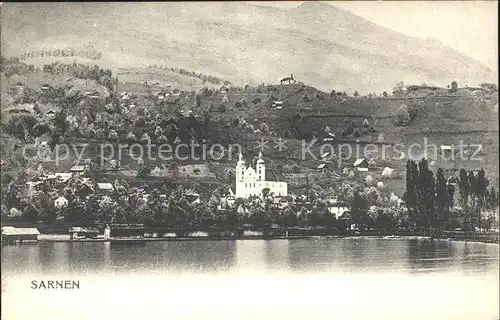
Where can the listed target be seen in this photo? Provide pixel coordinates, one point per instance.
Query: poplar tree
(442, 201)
(410, 196)
(464, 187)
(426, 196)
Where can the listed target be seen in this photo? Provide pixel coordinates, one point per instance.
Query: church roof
(260, 161)
(274, 175)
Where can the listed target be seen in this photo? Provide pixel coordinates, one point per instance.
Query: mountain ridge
(323, 45)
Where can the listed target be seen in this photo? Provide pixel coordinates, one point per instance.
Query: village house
(61, 177)
(278, 104)
(330, 136)
(13, 234)
(446, 150)
(337, 208)
(354, 220)
(324, 168)
(118, 230)
(105, 187)
(50, 114)
(452, 181)
(82, 233)
(361, 164)
(78, 169)
(372, 164)
(61, 202)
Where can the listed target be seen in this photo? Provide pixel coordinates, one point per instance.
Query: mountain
(320, 44)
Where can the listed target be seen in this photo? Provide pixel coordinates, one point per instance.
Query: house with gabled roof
(361, 164)
(105, 187)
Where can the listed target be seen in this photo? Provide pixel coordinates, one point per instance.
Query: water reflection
(296, 256)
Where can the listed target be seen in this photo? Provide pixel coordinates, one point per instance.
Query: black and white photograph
(230, 160)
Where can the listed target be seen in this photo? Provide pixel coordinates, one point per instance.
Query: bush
(402, 116)
(369, 180)
(356, 133)
(388, 173)
(256, 100)
(381, 186)
(454, 86)
(131, 137)
(348, 130)
(264, 127)
(414, 110)
(221, 108)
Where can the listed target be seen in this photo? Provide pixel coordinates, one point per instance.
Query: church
(250, 181)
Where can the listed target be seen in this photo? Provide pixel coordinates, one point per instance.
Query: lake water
(249, 279)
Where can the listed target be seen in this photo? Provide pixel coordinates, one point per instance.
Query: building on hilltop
(251, 182)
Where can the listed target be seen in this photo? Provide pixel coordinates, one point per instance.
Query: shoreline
(131, 240)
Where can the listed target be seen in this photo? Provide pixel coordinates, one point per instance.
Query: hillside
(441, 120)
(320, 44)
(233, 117)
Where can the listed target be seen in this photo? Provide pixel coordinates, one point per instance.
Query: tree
(372, 196)
(402, 116)
(356, 133)
(131, 138)
(355, 94)
(369, 180)
(464, 187)
(265, 192)
(454, 86)
(410, 195)
(426, 196)
(256, 100)
(398, 89)
(359, 201)
(442, 201)
(11, 198)
(144, 171)
(481, 187)
(221, 108)
(264, 127)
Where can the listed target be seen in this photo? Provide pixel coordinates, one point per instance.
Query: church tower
(261, 168)
(240, 169)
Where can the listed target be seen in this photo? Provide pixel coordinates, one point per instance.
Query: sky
(467, 26)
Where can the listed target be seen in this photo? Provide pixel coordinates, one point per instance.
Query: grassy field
(131, 80)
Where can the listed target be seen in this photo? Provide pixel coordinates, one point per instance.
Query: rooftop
(105, 186)
(359, 162)
(77, 168)
(19, 231)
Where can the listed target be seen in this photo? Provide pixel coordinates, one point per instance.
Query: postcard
(249, 160)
